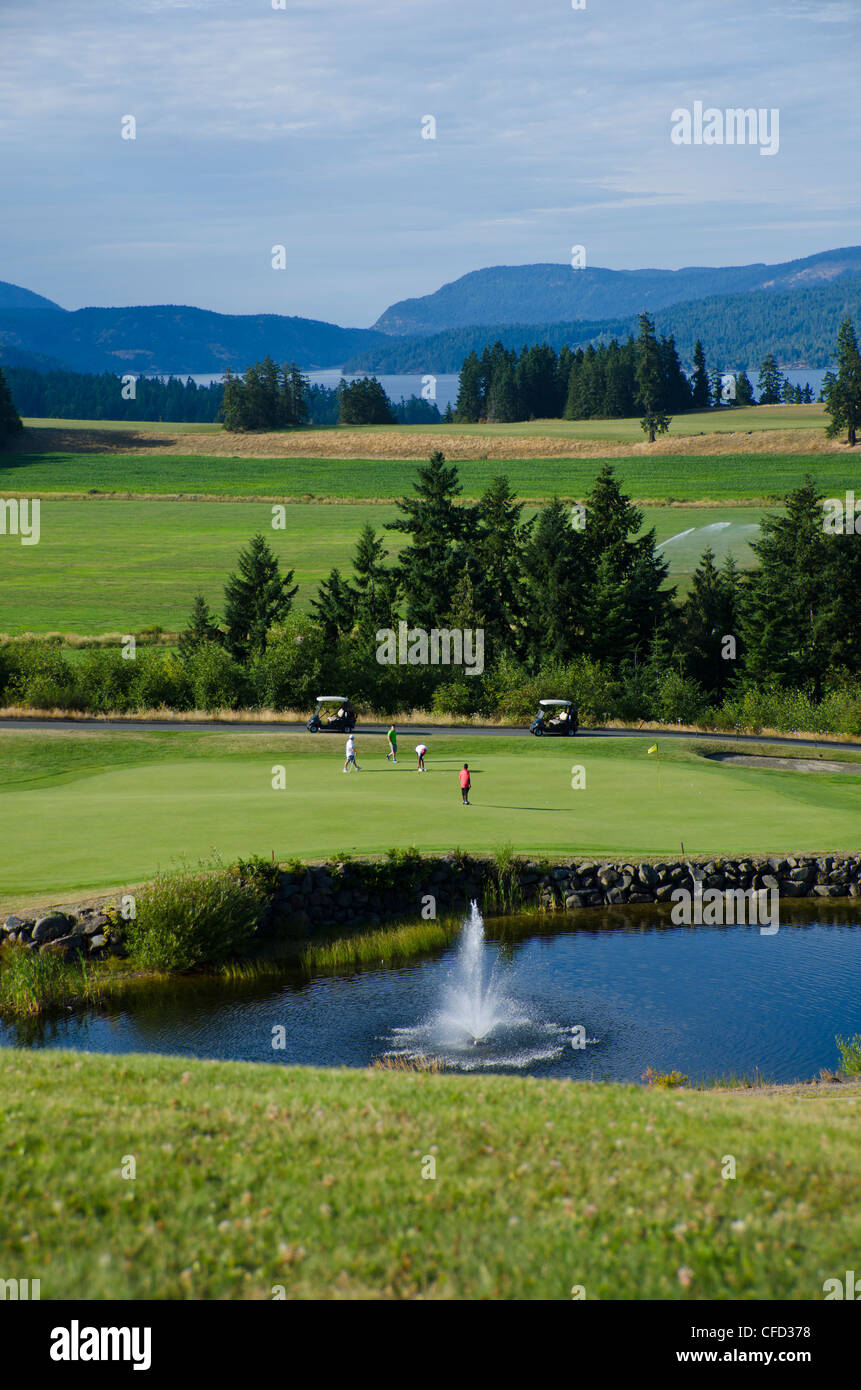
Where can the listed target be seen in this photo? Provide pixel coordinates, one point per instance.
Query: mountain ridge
(546, 292)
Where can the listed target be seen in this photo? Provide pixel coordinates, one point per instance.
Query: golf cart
(334, 715)
(554, 717)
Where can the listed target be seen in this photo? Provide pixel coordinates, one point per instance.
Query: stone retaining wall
(323, 899)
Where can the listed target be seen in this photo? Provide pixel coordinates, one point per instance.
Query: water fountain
(480, 1024)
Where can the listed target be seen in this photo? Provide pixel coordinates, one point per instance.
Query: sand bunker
(791, 764)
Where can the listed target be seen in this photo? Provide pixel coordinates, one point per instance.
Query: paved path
(113, 726)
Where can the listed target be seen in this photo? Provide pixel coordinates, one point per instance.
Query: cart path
(114, 726)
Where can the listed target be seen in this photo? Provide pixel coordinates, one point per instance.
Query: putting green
(85, 812)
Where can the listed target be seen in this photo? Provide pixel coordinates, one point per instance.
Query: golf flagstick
(654, 749)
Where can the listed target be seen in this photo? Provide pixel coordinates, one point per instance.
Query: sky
(302, 127)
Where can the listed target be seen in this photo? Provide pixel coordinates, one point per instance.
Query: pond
(599, 997)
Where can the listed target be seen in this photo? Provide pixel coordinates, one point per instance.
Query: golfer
(421, 749)
(465, 784)
(393, 744)
(351, 755)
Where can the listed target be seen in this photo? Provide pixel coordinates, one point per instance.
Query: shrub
(217, 681)
(38, 676)
(850, 1054)
(192, 919)
(262, 874)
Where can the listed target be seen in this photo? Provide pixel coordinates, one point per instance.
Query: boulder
(574, 900)
(16, 924)
(51, 928)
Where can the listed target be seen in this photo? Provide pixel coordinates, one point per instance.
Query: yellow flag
(654, 748)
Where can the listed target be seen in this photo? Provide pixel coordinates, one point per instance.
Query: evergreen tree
(470, 404)
(334, 607)
(677, 392)
(555, 584)
(744, 390)
(502, 394)
(10, 420)
(429, 564)
(650, 380)
(200, 628)
(255, 599)
(770, 381)
(700, 393)
(794, 619)
(709, 615)
(364, 402)
(843, 391)
(374, 585)
(716, 388)
(497, 551)
(626, 600)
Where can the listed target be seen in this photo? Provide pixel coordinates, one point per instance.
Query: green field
(114, 566)
(90, 811)
(725, 421)
(658, 477)
(261, 1181)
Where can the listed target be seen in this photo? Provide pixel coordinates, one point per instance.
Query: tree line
(608, 381)
(572, 603)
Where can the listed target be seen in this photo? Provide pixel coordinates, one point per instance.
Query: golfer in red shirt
(465, 784)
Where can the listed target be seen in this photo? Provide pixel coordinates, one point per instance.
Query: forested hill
(548, 293)
(799, 327)
(171, 338)
(14, 297)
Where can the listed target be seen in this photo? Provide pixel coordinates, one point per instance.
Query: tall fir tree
(200, 628)
(429, 564)
(650, 382)
(770, 381)
(700, 390)
(255, 599)
(843, 391)
(10, 420)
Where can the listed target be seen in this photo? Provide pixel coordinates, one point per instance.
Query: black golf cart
(334, 715)
(555, 717)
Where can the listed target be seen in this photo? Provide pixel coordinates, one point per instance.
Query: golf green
(94, 811)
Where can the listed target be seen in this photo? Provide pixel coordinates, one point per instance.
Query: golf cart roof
(325, 699)
(554, 702)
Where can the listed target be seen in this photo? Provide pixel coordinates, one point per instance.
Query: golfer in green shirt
(393, 745)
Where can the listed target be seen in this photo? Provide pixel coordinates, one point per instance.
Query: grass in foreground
(251, 1179)
(88, 811)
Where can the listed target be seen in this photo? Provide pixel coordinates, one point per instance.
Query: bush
(216, 680)
(37, 676)
(850, 1054)
(192, 919)
(258, 873)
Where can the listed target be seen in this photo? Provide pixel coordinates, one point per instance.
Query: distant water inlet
(479, 1023)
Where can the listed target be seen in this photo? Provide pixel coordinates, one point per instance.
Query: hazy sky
(258, 126)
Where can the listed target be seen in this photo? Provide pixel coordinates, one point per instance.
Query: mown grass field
(771, 417)
(659, 477)
(91, 811)
(114, 566)
(258, 1181)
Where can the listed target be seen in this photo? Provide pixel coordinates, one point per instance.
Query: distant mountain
(799, 327)
(549, 293)
(13, 297)
(170, 338)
